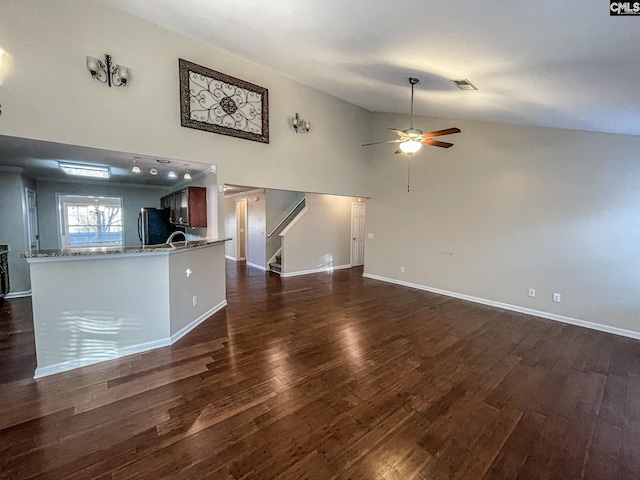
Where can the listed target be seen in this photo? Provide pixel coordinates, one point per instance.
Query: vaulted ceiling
(544, 63)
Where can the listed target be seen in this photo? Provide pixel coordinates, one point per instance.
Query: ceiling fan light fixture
(410, 146)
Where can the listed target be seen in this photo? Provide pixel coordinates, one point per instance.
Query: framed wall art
(219, 103)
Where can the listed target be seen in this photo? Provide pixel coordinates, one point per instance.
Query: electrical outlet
(557, 297)
(401, 269)
(532, 292)
(195, 300)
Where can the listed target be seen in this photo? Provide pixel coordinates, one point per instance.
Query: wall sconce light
(108, 73)
(299, 125)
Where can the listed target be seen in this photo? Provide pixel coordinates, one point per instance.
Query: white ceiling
(39, 159)
(544, 63)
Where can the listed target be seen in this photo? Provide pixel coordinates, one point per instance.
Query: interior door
(358, 211)
(32, 221)
(241, 226)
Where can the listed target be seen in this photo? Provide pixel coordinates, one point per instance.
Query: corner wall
(510, 208)
(41, 37)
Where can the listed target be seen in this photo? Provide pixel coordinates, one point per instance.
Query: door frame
(364, 205)
(32, 223)
(241, 205)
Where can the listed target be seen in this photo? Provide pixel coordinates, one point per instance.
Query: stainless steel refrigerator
(153, 226)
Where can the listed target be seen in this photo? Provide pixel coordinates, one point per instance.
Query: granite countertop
(81, 252)
(4, 249)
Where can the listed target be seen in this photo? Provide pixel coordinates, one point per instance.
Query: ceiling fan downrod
(413, 81)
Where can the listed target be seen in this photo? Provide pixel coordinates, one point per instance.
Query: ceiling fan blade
(437, 133)
(398, 132)
(377, 143)
(437, 143)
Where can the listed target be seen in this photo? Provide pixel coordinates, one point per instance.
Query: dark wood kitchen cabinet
(187, 207)
(4, 274)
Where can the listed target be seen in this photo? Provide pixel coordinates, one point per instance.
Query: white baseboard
(229, 257)
(255, 265)
(183, 331)
(315, 270)
(26, 293)
(514, 308)
(83, 362)
(131, 350)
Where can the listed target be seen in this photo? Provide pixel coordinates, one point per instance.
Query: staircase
(276, 267)
(274, 241)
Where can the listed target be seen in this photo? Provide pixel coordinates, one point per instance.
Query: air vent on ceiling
(464, 84)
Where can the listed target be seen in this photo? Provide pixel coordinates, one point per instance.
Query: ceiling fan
(411, 140)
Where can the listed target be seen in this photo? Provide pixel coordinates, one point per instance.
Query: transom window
(88, 221)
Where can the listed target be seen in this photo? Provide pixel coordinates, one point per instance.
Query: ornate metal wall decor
(219, 103)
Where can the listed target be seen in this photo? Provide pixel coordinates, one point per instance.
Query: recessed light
(464, 84)
(81, 170)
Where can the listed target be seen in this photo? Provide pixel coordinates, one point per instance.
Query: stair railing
(284, 220)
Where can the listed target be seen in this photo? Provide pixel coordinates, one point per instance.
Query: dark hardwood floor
(331, 376)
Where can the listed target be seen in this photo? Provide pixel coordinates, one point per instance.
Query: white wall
(510, 208)
(321, 238)
(256, 229)
(48, 94)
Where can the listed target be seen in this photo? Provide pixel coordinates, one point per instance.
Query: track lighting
(161, 166)
(106, 73)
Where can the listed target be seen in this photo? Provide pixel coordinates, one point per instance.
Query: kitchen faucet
(171, 237)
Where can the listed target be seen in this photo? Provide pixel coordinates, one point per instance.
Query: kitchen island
(93, 305)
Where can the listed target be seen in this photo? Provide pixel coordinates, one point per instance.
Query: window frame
(68, 200)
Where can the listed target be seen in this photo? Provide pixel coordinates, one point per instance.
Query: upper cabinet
(187, 207)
